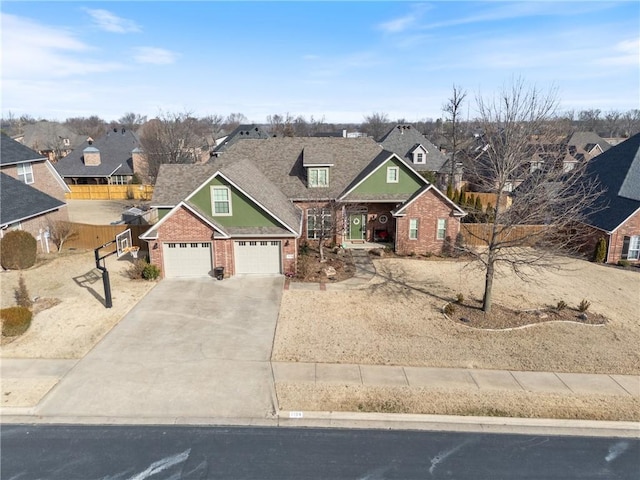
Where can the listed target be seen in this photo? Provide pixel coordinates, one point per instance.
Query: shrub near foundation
(15, 321)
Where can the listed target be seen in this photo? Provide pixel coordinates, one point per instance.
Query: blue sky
(337, 60)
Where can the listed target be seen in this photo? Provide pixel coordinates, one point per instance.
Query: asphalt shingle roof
(175, 182)
(281, 161)
(618, 171)
(403, 139)
(12, 152)
(21, 201)
(115, 156)
(241, 132)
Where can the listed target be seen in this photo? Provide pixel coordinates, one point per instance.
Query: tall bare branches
(516, 134)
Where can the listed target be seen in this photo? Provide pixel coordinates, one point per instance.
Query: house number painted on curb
(296, 414)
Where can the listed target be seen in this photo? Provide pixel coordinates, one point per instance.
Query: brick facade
(428, 208)
(43, 179)
(185, 227)
(629, 228)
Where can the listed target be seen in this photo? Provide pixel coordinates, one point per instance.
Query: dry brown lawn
(70, 314)
(396, 320)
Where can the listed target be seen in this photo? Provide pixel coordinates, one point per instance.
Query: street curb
(395, 421)
(356, 420)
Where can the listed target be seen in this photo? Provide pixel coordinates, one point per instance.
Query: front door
(357, 226)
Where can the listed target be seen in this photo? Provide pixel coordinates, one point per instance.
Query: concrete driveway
(191, 349)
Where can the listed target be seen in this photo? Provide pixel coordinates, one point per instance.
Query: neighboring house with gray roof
(616, 215)
(110, 160)
(416, 149)
(248, 210)
(241, 132)
(32, 193)
(51, 139)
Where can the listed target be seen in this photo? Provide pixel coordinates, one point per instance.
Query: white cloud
(626, 53)
(401, 24)
(155, 56)
(109, 22)
(31, 50)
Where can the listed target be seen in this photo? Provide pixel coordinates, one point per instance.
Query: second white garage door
(187, 259)
(257, 257)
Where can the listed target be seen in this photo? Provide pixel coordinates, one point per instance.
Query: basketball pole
(108, 303)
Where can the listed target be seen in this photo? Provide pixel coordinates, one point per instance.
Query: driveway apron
(191, 348)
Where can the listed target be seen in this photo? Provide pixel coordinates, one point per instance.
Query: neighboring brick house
(32, 192)
(110, 160)
(617, 211)
(249, 210)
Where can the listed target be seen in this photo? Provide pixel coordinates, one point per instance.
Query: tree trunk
(488, 287)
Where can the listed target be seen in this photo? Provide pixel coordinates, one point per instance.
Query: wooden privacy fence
(477, 234)
(110, 192)
(92, 236)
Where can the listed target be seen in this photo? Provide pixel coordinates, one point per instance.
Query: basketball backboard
(123, 243)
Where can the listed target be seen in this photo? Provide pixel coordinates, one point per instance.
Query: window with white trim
(393, 173)
(634, 248)
(221, 198)
(441, 231)
(413, 229)
(419, 157)
(318, 222)
(25, 173)
(318, 177)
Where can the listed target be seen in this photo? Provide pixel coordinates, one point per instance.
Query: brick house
(249, 209)
(32, 193)
(617, 212)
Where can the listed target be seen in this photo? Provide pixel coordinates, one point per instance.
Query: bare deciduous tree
(170, 138)
(452, 131)
(131, 120)
(376, 124)
(234, 120)
(281, 125)
(514, 125)
(60, 231)
(92, 126)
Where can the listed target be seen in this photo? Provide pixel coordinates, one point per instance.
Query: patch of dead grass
(415, 400)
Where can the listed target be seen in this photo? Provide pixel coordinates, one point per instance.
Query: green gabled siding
(162, 212)
(408, 182)
(244, 212)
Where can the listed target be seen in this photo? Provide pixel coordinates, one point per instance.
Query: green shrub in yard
(624, 263)
(18, 250)
(150, 272)
(15, 321)
(22, 294)
(600, 253)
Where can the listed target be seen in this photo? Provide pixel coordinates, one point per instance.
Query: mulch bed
(310, 269)
(470, 313)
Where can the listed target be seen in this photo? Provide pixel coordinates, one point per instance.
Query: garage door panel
(187, 259)
(257, 257)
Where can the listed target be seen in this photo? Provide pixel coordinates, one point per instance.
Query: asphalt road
(138, 453)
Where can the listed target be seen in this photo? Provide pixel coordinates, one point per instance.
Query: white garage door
(187, 259)
(257, 257)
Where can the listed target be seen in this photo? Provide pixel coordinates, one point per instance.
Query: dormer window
(66, 142)
(419, 155)
(318, 177)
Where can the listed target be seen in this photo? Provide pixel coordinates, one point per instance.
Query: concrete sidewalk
(457, 378)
